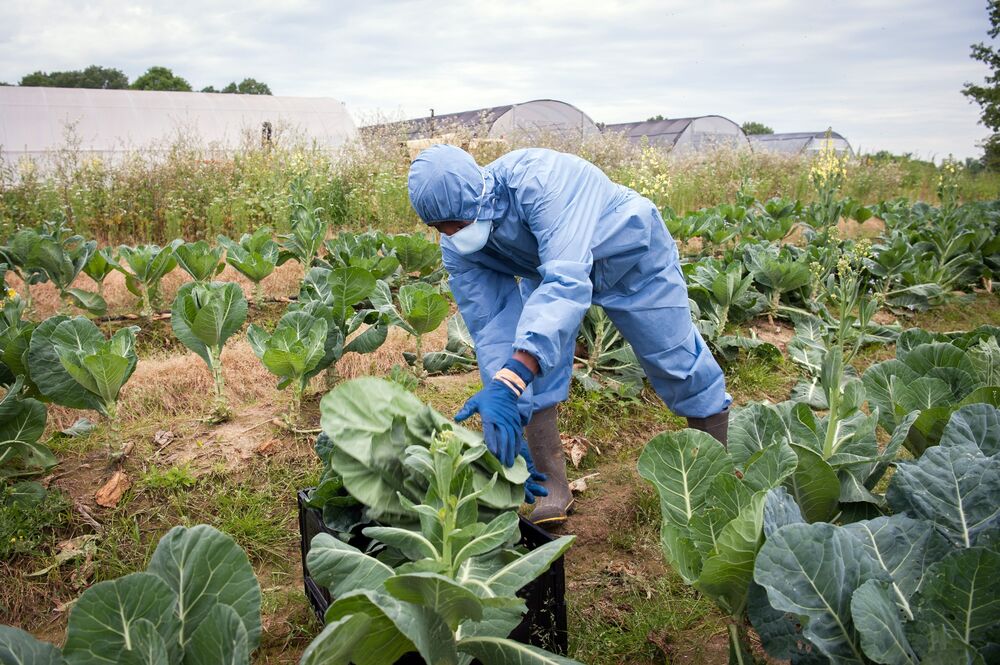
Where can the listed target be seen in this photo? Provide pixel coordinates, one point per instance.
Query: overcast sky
(885, 73)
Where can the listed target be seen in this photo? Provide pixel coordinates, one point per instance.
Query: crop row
(802, 484)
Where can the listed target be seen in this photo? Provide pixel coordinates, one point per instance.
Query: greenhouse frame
(799, 143)
(696, 134)
(539, 116)
(36, 122)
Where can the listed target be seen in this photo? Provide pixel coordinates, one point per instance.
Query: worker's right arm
(490, 304)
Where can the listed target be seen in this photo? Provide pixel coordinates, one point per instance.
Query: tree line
(154, 78)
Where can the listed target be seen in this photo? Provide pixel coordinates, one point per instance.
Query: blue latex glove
(496, 405)
(532, 486)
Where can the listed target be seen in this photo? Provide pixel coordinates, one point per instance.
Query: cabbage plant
(197, 602)
(715, 502)
(932, 375)
(15, 336)
(776, 271)
(723, 293)
(459, 351)
(608, 361)
(62, 257)
(421, 310)
(203, 317)
(371, 251)
(917, 586)
(254, 256)
(16, 254)
(368, 425)
(144, 267)
(772, 220)
(454, 597)
(308, 228)
(100, 265)
(53, 254)
(293, 352)
(200, 260)
(416, 254)
(22, 423)
(332, 295)
(72, 364)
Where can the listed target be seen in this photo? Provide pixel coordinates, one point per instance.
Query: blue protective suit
(573, 237)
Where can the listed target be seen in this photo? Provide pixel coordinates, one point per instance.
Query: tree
(253, 87)
(93, 76)
(751, 127)
(987, 94)
(208, 88)
(161, 78)
(247, 86)
(653, 118)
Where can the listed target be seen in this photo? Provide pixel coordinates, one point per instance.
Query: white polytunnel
(540, 116)
(34, 122)
(699, 134)
(796, 143)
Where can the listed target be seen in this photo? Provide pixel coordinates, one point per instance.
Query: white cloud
(886, 73)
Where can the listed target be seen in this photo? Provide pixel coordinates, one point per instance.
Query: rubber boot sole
(557, 519)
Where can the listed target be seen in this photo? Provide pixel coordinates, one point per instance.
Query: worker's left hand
(496, 405)
(533, 485)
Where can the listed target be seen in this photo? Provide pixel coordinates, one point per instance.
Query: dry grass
(282, 283)
(182, 384)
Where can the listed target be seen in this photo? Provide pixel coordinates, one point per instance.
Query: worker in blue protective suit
(530, 241)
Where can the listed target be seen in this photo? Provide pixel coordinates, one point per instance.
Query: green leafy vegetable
(100, 265)
(918, 586)
(22, 423)
(609, 362)
(332, 295)
(203, 317)
(935, 375)
(453, 597)
(198, 603)
(308, 228)
(421, 310)
(72, 364)
(144, 268)
(369, 424)
(200, 260)
(293, 352)
(254, 256)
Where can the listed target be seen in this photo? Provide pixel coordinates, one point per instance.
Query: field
(799, 270)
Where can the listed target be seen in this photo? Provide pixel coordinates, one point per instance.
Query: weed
(607, 421)
(128, 536)
(30, 528)
(447, 394)
(614, 619)
(963, 313)
(754, 379)
(174, 479)
(259, 515)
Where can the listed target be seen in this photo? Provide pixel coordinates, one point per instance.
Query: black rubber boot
(717, 426)
(542, 434)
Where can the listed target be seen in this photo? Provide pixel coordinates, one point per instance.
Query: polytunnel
(796, 143)
(35, 122)
(685, 134)
(539, 116)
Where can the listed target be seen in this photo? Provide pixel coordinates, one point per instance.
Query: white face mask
(473, 237)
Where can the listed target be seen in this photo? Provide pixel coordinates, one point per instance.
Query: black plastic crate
(543, 625)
